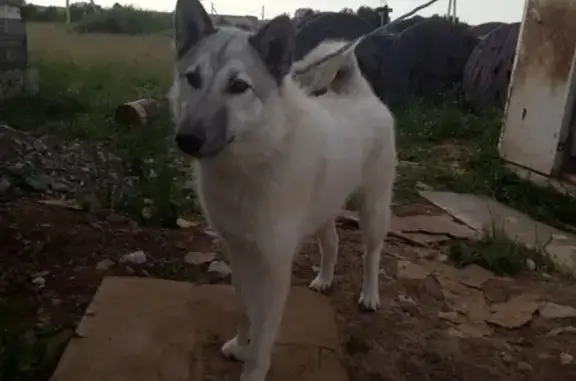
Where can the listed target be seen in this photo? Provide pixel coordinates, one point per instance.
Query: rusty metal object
(541, 92)
(138, 112)
(549, 43)
(328, 25)
(482, 30)
(487, 72)
(427, 60)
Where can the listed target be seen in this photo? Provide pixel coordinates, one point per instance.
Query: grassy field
(84, 78)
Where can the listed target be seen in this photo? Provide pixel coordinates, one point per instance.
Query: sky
(470, 11)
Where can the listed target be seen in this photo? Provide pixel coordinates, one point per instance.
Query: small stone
(566, 358)
(558, 331)
(506, 357)
(39, 281)
(189, 185)
(197, 258)
(220, 268)
(5, 184)
(60, 187)
(544, 356)
(524, 367)
(38, 182)
(423, 186)
(185, 224)
(406, 299)
(442, 258)
(210, 232)
(556, 311)
(147, 213)
(137, 258)
(530, 264)
(104, 264)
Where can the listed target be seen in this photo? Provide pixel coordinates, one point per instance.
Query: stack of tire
(488, 70)
(424, 57)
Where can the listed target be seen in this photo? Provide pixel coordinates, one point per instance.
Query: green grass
(78, 101)
(498, 253)
(27, 353)
(448, 148)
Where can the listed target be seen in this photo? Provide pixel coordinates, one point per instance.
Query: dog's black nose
(190, 144)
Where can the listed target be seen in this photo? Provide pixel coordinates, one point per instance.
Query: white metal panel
(541, 93)
(9, 12)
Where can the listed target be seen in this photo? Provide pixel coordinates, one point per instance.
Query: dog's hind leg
(328, 245)
(374, 222)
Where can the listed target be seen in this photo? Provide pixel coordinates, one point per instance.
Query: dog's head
(224, 77)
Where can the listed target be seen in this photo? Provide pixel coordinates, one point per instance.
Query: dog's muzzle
(190, 144)
(207, 138)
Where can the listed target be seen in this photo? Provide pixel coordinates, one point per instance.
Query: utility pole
(452, 10)
(384, 13)
(263, 12)
(68, 21)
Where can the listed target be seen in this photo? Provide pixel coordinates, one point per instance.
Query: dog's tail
(339, 74)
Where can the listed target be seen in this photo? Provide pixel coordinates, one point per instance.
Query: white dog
(275, 165)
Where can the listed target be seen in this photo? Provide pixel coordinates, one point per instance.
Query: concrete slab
(158, 330)
(480, 213)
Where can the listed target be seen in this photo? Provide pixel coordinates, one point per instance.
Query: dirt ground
(52, 260)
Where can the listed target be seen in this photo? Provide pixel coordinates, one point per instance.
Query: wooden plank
(156, 330)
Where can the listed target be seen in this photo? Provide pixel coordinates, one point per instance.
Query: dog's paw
(369, 301)
(234, 351)
(319, 284)
(257, 374)
(251, 378)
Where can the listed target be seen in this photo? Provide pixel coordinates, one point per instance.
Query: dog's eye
(238, 86)
(194, 79)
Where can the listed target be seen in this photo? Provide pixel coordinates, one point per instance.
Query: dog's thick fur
(275, 165)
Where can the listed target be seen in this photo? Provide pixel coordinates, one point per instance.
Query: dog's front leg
(272, 283)
(237, 347)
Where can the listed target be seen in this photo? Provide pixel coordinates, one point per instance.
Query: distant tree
(370, 15)
(346, 10)
(51, 14)
(82, 9)
(125, 20)
(29, 12)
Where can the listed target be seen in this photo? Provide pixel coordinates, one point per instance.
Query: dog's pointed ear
(191, 23)
(274, 42)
